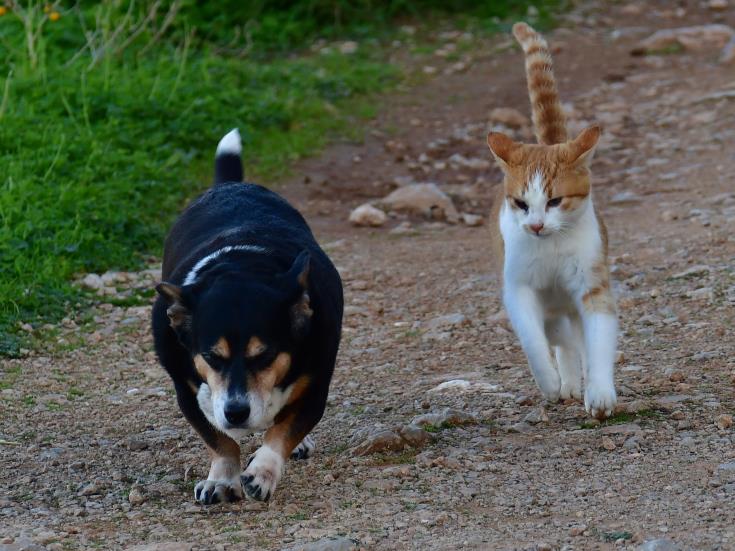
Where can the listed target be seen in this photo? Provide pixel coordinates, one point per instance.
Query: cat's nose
(536, 228)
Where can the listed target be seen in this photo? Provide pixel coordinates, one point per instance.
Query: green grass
(624, 417)
(110, 113)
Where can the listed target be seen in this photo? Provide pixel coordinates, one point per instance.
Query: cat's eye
(555, 202)
(521, 204)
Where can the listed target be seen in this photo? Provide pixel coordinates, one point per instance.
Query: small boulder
(695, 38)
(93, 281)
(368, 215)
(507, 116)
(381, 441)
(426, 199)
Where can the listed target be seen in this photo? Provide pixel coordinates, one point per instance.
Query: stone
(135, 497)
(724, 421)
(93, 281)
(727, 55)
(325, 544)
(368, 215)
(472, 220)
(625, 198)
(660, 544)
(472, 163)
(163, 546)
(695, 38)
(414, 436)
(348, 47)
(507, 116)
(608, 444)
(623, 428)
(536, 416)
(698, 270)
(22, 544)
(447, 416)
(717, 5)
(448, 320)
(380, 441)
(426, 199)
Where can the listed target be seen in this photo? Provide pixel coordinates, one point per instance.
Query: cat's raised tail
(548, 116)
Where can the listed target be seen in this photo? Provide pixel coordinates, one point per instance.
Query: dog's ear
(297, 279)
(178, 313)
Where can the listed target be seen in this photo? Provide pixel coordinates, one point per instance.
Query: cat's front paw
(600, 399)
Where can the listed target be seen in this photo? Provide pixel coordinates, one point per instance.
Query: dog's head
(242, 335)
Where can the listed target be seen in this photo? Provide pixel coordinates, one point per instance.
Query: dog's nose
(536, 228)
(237, 412)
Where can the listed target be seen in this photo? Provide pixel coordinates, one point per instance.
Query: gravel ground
(95, 454)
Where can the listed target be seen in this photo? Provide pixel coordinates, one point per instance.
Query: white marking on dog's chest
(192, 275)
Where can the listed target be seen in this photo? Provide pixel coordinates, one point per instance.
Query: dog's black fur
(279, 286)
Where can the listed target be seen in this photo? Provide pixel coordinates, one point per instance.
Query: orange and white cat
(556, 282)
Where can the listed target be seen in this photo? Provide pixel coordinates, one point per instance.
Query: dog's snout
(237, 412)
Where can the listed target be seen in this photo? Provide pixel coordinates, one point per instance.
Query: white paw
(571, 390)
(208, 492)
(600, 399)
(262, 474)
(550, 386)
(304, 449)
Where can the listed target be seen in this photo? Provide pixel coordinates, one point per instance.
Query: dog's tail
(227, 161)
(548, 116)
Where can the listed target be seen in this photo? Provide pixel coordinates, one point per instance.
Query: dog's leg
(223, 483)
(292, 425)
(305, 449)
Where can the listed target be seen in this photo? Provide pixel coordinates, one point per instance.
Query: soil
(95, 453)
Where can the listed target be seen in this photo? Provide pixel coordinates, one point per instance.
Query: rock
(90, 489)
(623, 428)
(22, 544)
(471, 163)
(717, 5)
(135, 497)
(448, 416)
(536, 416)
(463, 385)
(698, 270)
(448, 320)
(368, 215)
(426, 199)
(381, 441)
(325, 544)
(512, 118)
(625, 198)
(730, 466)
(608, 444)
(163, 546)
(724, 421)
(727, 56)
(472, 219)
(93, 281)
(660, 544)
(694, 38)
(348, 47)
(414, 436)
(703, 293)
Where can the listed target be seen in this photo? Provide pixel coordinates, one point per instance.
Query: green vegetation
(110, 112)
(624, 417)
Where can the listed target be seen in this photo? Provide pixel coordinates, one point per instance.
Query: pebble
(447, 416)
(135, 497)
(383, 440)
(368, 215)
(724, 421)
(426, 199)
(692, 38)
(512, 118)
(93, 281)
(659, 545)
(325, 544)
(608, 444)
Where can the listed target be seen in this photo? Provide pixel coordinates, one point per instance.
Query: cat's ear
(583, 146)
(502, 147)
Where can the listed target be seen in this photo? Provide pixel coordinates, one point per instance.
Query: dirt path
(94, 452)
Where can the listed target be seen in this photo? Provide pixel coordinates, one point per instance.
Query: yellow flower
(54, 16)
(3, 10)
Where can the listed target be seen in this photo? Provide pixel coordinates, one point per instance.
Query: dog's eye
(521, 204)
(555, 202)
(255, 347)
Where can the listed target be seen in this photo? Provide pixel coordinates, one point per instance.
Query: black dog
(247, 324)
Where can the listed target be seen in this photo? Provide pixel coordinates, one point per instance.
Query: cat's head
(546, 186)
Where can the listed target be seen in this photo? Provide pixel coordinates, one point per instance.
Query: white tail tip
(230, 144)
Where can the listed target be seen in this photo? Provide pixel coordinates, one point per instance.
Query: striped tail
(227, 161)
(548, 117)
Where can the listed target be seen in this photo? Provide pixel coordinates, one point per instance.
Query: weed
(437, 428)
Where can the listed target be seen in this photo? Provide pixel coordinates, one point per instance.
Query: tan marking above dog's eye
(221, 348)
(254, 348)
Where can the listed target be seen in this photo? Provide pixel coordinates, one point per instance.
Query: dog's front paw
(305, 449)
(208, 492)
(262, 474)
(600, 399)
(571, 390)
